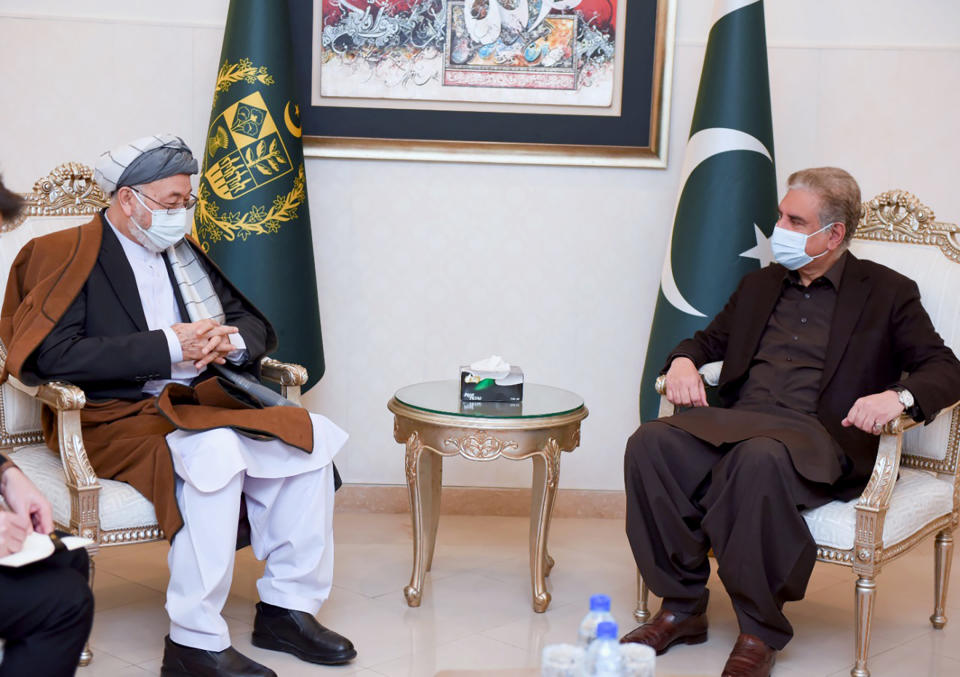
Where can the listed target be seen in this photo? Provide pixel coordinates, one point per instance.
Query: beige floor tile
(128, 671)
(351, 527)
(134, 632)
(476, 615)
(112, 591)
(914, 659)
(468, 653)
(452, 609)
(107, 665)
(145, 563)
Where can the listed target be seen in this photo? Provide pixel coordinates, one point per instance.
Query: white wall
(870, 85)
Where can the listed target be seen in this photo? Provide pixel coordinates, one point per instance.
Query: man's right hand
(13, 530)
(204, 341)
(685, 385)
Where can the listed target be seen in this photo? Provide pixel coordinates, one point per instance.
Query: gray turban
(142, 161)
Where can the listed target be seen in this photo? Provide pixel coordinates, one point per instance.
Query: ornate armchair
(914, 491)
(109, 512)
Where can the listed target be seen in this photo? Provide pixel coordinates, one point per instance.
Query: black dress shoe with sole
(186, 661)
(300, 634)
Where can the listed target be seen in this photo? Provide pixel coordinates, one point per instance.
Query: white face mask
(166, 227)
(790, 247)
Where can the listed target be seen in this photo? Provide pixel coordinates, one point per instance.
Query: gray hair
(838, 192)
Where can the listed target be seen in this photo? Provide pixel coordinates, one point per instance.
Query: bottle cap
(599, 603)
(606, 630)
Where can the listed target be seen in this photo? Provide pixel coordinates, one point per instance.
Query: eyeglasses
(189, 203)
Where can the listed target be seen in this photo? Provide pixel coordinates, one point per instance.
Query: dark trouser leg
(664, 468)
(765, 553)
(46, 611)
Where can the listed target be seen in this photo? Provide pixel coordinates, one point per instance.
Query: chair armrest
(871, 507)
(903, 423)
(710, 373)
(289, 376)
(66, 400)
(61, 396)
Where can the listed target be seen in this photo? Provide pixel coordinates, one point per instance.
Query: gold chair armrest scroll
(289, 376)
(66, 401)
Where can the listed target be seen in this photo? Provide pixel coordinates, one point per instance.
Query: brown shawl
(125, 440)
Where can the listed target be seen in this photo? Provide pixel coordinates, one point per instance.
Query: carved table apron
(541, 438)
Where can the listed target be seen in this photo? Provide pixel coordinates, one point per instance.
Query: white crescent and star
(704, 145)
(762, 251)
(701, 146)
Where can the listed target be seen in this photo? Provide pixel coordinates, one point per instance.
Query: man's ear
(837, 233)
(125, 199)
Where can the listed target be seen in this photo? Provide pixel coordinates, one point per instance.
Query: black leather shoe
(299, 633)
(186, 661)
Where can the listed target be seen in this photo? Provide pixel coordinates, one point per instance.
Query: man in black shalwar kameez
(814, 351)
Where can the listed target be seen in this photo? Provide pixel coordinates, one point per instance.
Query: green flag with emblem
(252, 216)
(727, 198)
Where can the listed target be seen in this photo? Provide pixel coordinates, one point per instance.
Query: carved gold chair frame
(894, 216)
(69, 190)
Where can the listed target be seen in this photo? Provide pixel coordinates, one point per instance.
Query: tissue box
(476, 387)
(492, 409)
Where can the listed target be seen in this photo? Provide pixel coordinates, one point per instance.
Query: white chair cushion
(121, 506)
(918, 498)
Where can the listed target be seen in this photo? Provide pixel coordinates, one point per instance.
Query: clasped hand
(205, 341)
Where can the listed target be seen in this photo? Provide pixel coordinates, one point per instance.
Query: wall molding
(493, 501)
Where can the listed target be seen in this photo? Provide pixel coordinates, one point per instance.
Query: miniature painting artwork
(547, 52)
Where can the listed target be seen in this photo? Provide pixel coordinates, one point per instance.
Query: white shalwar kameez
(288, 492)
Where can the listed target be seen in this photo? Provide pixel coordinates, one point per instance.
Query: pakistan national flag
(253, 217)
(727, 202)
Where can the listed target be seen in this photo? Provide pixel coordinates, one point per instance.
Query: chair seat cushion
(121, 506)
(918, 498)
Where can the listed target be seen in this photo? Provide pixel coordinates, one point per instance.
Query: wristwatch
(905, 397)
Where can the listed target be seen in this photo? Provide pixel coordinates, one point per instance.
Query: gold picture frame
(338, 142)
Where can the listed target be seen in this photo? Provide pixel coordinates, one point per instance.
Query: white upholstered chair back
(64, 198)
(901, 233)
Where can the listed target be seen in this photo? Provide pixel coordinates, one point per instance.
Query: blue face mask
(790, 247)
(167, 227)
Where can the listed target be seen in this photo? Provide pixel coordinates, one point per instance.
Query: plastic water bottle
(599, 612)
(603, 656)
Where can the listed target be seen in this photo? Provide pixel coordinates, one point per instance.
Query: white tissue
(491, 365)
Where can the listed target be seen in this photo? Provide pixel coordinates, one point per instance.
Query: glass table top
(443, 397)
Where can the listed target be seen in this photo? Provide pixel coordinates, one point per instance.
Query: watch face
(906, 398)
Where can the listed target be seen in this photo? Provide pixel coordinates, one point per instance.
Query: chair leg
(943, 556)
(87, 655)
(642, 612)
(865, 598)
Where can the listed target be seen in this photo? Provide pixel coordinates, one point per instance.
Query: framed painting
(562, 82)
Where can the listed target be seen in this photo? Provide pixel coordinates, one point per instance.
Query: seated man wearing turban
(134, 313)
